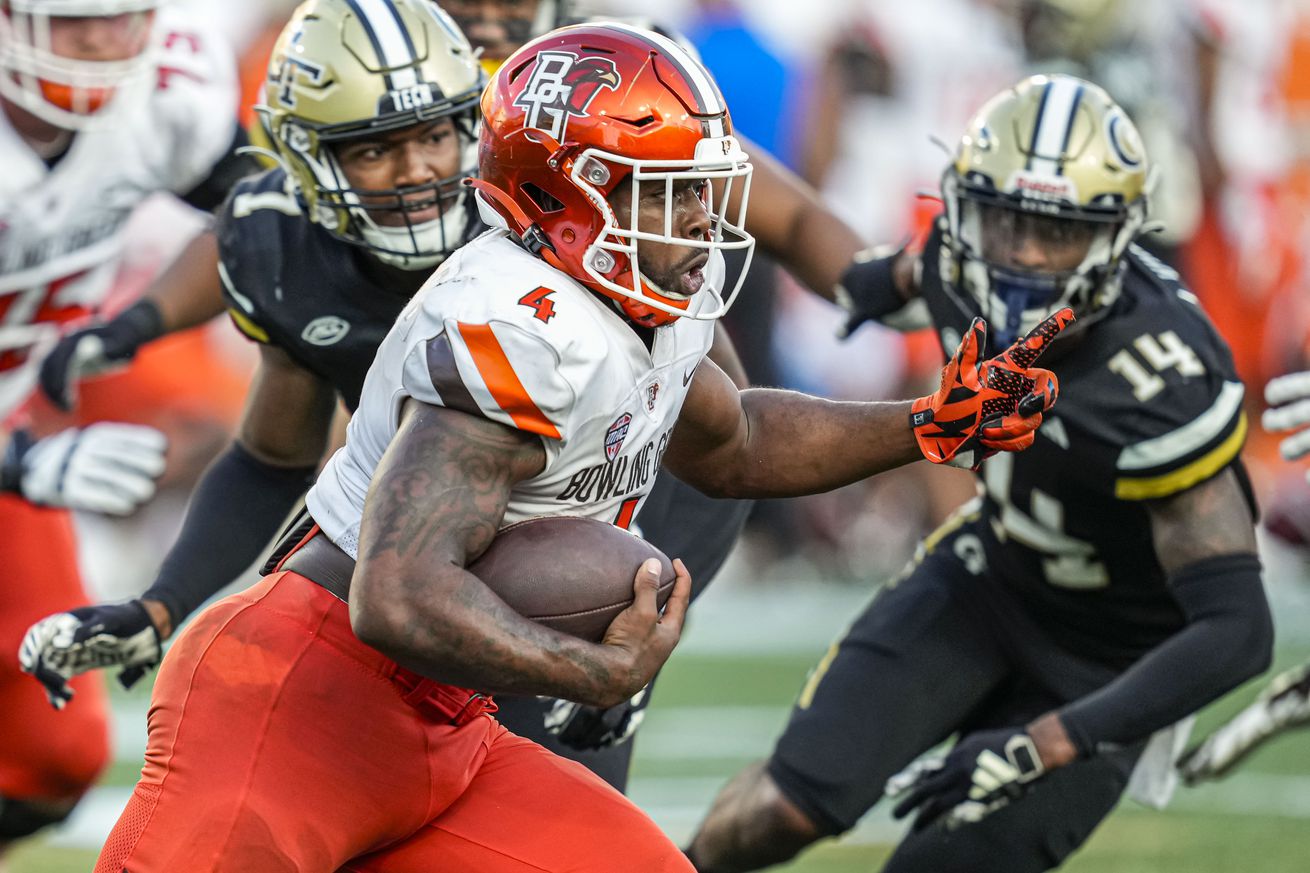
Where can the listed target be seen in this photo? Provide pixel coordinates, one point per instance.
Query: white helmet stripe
(1055, 120)
(390, 40)
(707, 93)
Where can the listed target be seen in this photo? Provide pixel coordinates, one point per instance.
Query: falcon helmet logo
(562, 85)
(615, 435)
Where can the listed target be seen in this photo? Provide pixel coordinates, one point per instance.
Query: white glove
(108, 468)
(1290, 397)
(1283, 705)
(589, 728)
(66, 644)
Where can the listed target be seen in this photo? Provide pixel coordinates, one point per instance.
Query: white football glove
(108, 468)
(65, 644)
(1290, 398)
(591, 728)
(1284, 704)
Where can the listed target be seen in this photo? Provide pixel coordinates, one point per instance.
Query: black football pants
(936, 654)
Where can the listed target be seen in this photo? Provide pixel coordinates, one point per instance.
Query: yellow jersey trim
(1185, 477)
(246, 326)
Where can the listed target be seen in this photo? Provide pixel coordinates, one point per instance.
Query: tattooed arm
(1205, 541)
(436, 502)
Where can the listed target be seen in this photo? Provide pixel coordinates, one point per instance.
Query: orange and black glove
(995, 406)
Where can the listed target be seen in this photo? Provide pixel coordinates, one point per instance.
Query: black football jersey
(290, 283)
(1150, 405)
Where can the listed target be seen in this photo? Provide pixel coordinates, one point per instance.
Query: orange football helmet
(573, 114)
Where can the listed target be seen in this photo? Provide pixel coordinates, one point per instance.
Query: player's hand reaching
(95, 350)
(641, 636)
(984, 772)
(108, 467)
(1290, 398)
(1282, 706)
(992, 406)
(61, 646)
(589, 727)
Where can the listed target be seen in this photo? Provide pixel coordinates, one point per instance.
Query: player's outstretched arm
(437, 499)
(791, 223)
(186, 294)
(1205, 540)
(238, 506)
(802, 234)
(772, 443)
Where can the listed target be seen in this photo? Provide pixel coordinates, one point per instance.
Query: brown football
(569, 573)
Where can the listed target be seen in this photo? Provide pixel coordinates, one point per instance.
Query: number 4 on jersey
(539, 300)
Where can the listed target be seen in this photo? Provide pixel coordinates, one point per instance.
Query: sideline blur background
(851, 94)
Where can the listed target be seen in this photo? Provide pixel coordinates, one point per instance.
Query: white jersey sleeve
(495, 369)
(191, 113)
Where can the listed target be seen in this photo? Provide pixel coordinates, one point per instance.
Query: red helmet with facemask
(573, 115)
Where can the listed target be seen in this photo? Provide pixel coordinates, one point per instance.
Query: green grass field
(718, 707)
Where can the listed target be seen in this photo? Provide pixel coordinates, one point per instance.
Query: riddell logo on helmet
(1044, 187)
(563, 85)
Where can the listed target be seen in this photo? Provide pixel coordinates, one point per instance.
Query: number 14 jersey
(1150, 405)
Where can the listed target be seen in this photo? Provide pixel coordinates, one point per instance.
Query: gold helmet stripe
(1055, 121)
(391, 42)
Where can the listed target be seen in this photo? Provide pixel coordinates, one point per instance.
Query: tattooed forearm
(444, 483)
(1206, 521)
(436, 502)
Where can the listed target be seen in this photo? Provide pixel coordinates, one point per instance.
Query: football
(571, 574)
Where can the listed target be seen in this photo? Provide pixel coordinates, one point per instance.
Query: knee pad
(19, 818)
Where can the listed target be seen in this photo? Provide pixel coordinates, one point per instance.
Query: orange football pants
(44, 754)
(279, 742)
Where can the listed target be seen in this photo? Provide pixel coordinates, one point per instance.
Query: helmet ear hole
(544, 200)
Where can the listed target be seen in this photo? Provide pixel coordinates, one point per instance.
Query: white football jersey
(496, 332)
(61, 228)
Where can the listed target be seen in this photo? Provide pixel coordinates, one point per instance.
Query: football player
(319, 333)
(1285, 703)
(102, 102)
(314, 260)
(1103, 586)
(587, 311)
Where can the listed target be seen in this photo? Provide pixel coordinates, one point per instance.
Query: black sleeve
(231, 168)
(1228, 639)
(237, 508)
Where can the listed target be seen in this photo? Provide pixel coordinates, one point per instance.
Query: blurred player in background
(1105, 584)
(585, 313)
(318, 329)
(102, 102)
(1285, 702)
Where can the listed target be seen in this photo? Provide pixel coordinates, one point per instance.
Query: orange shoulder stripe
(503, 382)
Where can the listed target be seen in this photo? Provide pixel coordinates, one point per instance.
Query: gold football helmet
(1047, 189)
(343, 69)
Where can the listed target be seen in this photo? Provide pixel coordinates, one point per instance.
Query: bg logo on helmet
(564, 84)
